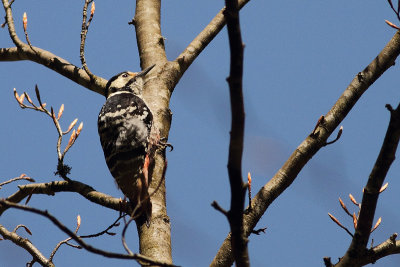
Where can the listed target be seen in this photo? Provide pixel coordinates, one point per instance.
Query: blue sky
(299, 58)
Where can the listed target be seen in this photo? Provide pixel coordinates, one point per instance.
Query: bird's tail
(142, 209)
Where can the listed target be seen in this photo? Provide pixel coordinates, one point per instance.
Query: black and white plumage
(124, 126)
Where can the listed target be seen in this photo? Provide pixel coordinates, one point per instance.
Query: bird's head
(127, 82)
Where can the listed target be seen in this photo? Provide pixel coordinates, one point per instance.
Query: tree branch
(84, 31)
(311, 145)
(140, 258)
(11, 26)
(84, 190)
(27, 245)
(201, 41)
(389, 247)
(23, 51)
(238, 189)
(357, 249)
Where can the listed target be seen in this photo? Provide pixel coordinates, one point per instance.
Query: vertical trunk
(155, 241)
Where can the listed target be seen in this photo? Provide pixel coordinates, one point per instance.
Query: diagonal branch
(201, 41)
(357, 249)
(55, 63)
(51, 188)
(311, 145)
(108, 254)
(27, 245)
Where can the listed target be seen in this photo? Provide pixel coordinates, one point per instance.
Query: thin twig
(216, 206)
(333, 218)
(78, 225)
(84, 31)
(249, 188)
(397, 12)
(21, 177)
(123, 235)
(258, 231)
(24, 227)
(53, 253)
(106, 231)
(62, 169)
(25, 26)
(339, 134)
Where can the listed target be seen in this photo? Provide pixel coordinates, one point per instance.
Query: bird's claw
(163, 144)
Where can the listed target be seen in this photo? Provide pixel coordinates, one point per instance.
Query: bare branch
(106, 231)
(27, 245)
(21, 177)
(333, 218)
(62, 169)
(23, 51)
(55, 63)
(386, 156)
(85, 28)
(339, 134)
(140, 258)
(258, 231)
(311, 145)
(22, 226)
(78, 225)
(216, 206)
(68, 186)
(389, 247)
(395, 11)
(191, 52)
(11, 26)
(238, 188)
(53, 253)
(344, 207)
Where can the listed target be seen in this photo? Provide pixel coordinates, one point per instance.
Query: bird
(124, 126)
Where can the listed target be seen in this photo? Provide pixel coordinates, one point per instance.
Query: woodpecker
(124, 126)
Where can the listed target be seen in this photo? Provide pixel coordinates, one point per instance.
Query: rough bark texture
(155, 241)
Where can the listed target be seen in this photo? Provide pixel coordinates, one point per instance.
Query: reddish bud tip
(72, 124)
(78, 131)
(60, 112)
(92, 9)
(392, 25)
(383, 187)
(377, 224)
(25, 20)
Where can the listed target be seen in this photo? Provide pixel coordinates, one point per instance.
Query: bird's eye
(125, 75)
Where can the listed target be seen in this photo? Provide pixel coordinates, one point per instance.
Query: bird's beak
(145, 71)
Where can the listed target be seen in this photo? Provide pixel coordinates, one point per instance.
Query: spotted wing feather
(124, 126)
